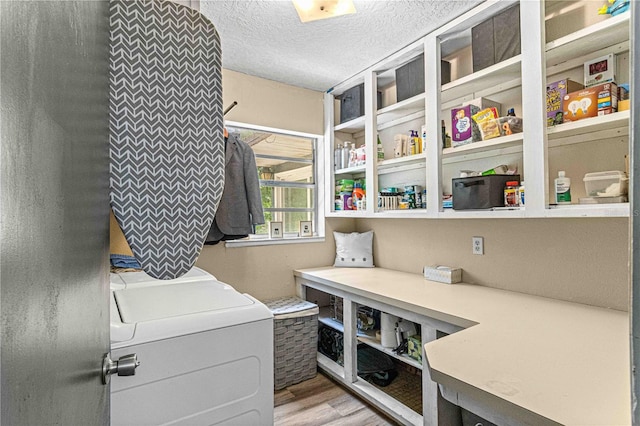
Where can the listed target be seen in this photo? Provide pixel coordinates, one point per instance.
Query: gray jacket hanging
(240, 207)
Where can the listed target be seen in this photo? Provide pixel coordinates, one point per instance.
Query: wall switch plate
(478, 245)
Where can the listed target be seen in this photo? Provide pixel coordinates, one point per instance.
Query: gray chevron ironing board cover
(166, 131)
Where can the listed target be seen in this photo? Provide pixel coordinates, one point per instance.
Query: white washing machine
(205, 352)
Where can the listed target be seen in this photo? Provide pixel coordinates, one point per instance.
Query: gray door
(54, 209)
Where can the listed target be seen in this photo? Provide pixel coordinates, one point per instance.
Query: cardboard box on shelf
(600, 70)
(483, 103)
(464, 129)
(555, 98)
(624, 105)
(590, 102)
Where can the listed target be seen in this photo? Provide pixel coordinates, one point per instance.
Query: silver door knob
(124, 366)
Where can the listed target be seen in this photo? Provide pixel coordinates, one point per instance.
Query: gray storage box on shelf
(295, 335)
(352, 103)
(410, 77)
(496, 39)
(480, 192)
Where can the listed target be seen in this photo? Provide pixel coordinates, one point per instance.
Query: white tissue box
(443, 274)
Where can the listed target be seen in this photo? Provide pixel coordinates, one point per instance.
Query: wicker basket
(295, 334)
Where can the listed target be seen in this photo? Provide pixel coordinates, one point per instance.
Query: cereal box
(555, 96)
(463, 129)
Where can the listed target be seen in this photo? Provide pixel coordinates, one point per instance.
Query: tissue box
(443, 274)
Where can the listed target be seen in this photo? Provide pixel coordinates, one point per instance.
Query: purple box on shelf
(463, 129)
(555, 95)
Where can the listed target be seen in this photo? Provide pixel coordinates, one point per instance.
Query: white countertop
(566, 362)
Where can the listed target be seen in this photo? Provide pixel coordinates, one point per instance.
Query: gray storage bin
(496, 39)
(480, 192)
(482, 45)
(506, 34)
(410, 77)
(352, 103)
(295, 335)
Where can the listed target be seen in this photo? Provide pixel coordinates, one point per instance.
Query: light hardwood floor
(321, 401)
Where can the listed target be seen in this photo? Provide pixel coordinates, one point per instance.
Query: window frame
(319, 207)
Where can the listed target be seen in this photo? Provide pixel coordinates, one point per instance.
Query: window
(287, 171)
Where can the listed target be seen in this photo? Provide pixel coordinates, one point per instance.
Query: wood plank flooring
(322, 402)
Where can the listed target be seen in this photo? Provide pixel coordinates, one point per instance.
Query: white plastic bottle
(337, 157)
(562, 186)
(380, 149)
(345, 155)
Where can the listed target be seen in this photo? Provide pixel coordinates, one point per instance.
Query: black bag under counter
(480, 192)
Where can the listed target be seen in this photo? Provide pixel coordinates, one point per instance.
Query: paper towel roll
(388, 330)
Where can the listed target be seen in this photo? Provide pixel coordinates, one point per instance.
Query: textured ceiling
(267, 39)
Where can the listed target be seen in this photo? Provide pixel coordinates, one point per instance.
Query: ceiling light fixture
(312, 10)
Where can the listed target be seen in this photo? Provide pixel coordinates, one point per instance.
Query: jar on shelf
(511, 194)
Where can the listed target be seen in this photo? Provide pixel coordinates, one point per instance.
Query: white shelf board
(595, 37)
(330, 366)
(398, 214)
(515, 213)
(403, 119)
(368, 340)
(350, 170)
(401, 109)
(324, 316)
(351, 125)
(482, 80)
(392, 162)
(590, 129)
(483, 146)
(402, 164)
(589, 210)
(347, 213)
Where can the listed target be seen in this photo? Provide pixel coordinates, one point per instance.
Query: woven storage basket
(295, 334)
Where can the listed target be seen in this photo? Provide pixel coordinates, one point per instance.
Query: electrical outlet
(478, 245)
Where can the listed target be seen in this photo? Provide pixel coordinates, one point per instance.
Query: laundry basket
(295, 334)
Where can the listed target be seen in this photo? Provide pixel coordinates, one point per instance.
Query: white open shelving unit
(537, 149)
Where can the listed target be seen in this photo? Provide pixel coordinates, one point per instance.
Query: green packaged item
(344, 185)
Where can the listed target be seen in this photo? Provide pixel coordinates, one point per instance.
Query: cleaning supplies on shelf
(380, 149)
(337, 157)
(562, 187)
(345, 155)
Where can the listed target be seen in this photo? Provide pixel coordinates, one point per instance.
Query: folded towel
(124, 261)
